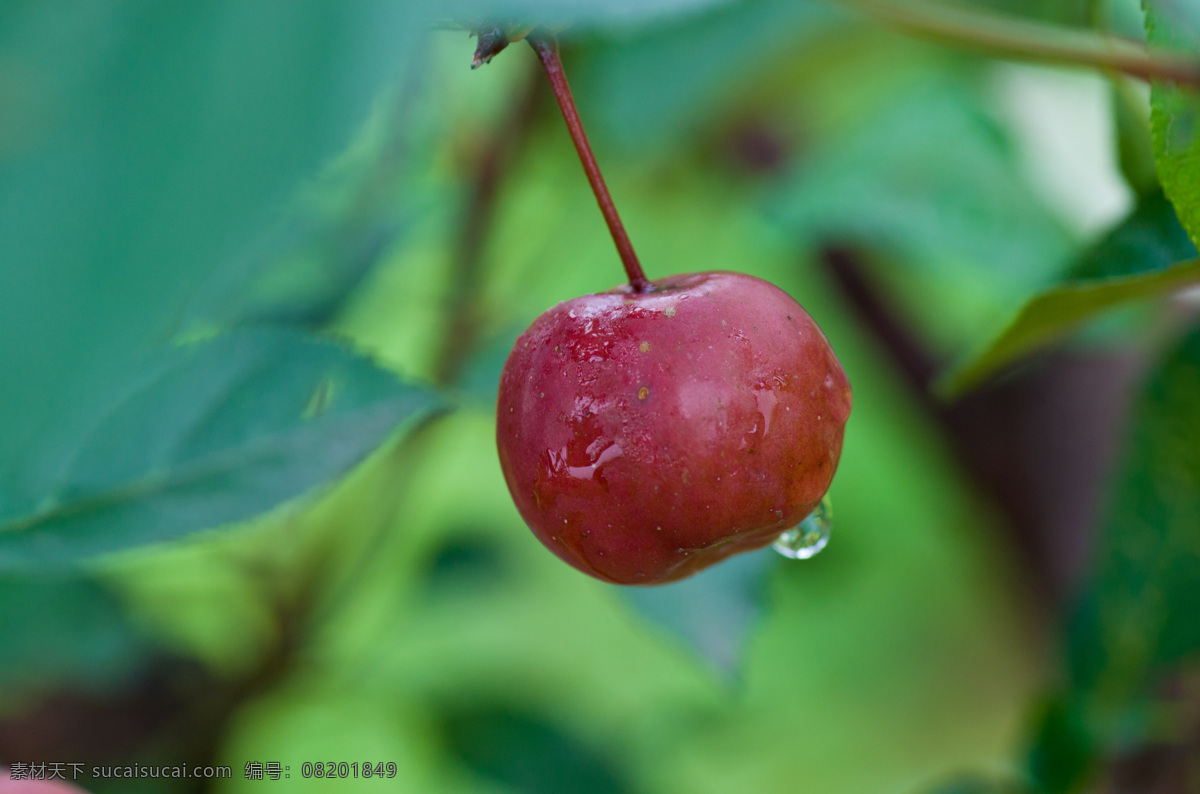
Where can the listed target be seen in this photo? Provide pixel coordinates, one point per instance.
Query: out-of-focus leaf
(1149, 240)
(303, 270)
(1141, 609)
(577, 12)
(58, 630)
(203, 435)
(1135, 146)
(1175, 111)
(480, 377)
(930, 180)
(142, 147)
(309, 719)
(528, 754)
(1138, 260)
(977, 785)
(932, 176)
(652, 87)
(713, 611)
(1062, 754)
(465, 563)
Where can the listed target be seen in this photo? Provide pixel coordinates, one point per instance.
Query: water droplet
(806, 539)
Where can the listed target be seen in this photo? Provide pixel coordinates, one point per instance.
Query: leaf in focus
(1138, 260)
(202, 435)
(1140, 611)
(1175, 111)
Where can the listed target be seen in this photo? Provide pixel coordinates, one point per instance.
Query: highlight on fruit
(650, 431)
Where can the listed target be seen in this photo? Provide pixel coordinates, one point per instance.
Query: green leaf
(1135, 147)
(528, 754)
(653, 87)
(930, 180)
(977, 785)
(712, 612)
(203, 435)
(1141, 609)
(143, 147)
(341, 225)
(1175, 112)
(1136, 261)
(62, 629)
(587, 12)
(1062, 754)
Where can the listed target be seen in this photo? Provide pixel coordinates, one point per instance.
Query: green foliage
(908, 184)
(648, 87)
(150, 146)
(978, 785)
(1135, 621)
(527, 754)
(1063, 753)
(202, 435)
(1138, 260)
(1176, 112)
(63, 629)
(1140, 611)
(712, 611)
(586, 12)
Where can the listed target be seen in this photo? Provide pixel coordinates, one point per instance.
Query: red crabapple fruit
(647, 435)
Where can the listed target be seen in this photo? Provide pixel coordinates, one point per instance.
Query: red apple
(647, 435)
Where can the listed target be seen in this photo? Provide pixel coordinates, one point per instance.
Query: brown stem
(1004, 36)
(465, 301)
(547, 51)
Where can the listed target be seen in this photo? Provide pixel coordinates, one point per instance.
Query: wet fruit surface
(645, 436)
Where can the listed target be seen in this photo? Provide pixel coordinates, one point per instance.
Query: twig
(493, 164)
(1021, 39)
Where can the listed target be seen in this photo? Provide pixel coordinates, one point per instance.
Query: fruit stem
(546, 48)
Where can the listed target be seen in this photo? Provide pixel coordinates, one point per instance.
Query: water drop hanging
(807, 538)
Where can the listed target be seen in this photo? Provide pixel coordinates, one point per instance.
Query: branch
(1020, 39)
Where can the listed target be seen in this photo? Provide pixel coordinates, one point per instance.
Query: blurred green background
(261, 263)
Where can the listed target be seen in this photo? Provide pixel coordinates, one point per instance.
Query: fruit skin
(645, 436)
